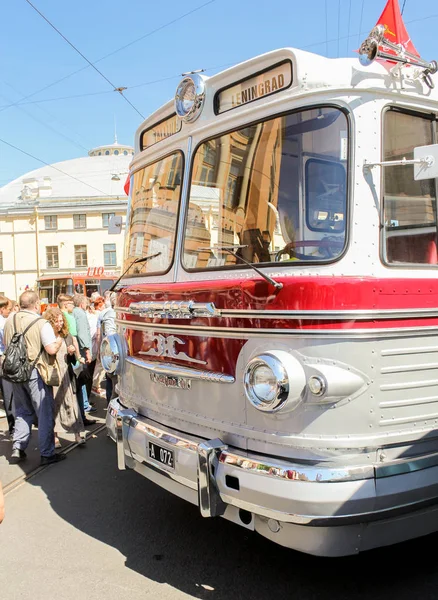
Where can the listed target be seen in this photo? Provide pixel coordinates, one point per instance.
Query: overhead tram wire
(312, 45)
(361, 33)
(115, 88)
(26, 112)
(349, 23)
(65, 127)
(403, 7)
(113, 52)
(360, 22)
(56, 168)
(129, 87)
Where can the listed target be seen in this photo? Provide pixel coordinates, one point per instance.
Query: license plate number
(161, 455)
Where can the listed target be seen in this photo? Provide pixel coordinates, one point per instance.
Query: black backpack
(16, 366)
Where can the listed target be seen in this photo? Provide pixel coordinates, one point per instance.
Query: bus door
(91, 286)
(46, 292)
(79, 287)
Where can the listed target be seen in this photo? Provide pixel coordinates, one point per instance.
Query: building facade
(54, 220)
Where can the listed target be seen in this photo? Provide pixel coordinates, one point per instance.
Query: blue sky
(54, 126)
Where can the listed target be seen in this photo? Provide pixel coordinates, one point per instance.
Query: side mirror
(426, 162)
(115, 224)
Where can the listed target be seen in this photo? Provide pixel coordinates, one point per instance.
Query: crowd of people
(62, 347)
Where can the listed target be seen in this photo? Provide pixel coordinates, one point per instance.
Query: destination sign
(160, 131)
(253, 88)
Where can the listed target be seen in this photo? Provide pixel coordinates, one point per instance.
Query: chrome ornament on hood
(173, 309)
(166, 346)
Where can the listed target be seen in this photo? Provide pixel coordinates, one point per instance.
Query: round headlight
(112, 353)
(189, 97)
(273, 379)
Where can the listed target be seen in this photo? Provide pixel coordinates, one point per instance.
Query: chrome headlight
(189, 97)
(112, 353)
(273, 379)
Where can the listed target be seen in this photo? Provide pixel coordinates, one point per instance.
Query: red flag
(395, 30)
(127, 184)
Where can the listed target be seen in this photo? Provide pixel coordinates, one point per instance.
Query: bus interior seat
(417, 249)
(255, 250)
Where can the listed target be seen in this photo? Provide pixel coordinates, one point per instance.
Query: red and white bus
(277, 353)
(95, 279)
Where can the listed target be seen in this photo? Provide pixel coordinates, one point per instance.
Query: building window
(109, 255)
(81, 256)
(106, 218)
(116, 152)
(51, 222)
(79, 221)
(106, 152)
(52, 257)
(1, 262)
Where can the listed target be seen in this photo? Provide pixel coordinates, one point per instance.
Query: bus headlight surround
(189, 97)
(274, 380)
(112, 353)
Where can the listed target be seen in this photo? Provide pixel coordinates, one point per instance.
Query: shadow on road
(10, 472)
(166, 540)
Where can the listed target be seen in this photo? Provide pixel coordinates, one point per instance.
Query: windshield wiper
(231, 250)
(137, 260)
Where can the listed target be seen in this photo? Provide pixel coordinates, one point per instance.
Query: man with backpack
(29, 341)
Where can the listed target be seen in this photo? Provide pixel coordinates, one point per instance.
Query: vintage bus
(95, 279)
(277, 349)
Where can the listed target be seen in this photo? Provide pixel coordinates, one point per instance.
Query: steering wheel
(327, 248)
(288, 249)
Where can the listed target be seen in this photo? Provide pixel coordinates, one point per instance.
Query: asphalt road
(84, 530)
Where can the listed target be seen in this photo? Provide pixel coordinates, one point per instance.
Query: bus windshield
(153, 215)
(272, 191)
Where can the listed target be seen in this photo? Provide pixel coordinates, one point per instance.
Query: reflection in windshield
(277, 188)
(154, 210)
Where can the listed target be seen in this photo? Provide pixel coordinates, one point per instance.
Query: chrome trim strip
(357, 315)
(172, 439)
(281, 469)
(211, 450)
(246, 332)
(319, 315)
(296, 472)
(210, 501)
(408, 465)
(123, 421)
(179, 371)
(119, 441)
(182, 210)
(173, 310)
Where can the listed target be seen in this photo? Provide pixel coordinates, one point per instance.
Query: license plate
(161, 455)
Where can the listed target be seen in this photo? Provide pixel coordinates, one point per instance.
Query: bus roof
(312, 74)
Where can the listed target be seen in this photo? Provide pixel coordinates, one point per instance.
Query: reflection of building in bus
(274, 189)
(254, 195)
(54, 220)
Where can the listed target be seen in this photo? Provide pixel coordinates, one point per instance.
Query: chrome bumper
(275, 491)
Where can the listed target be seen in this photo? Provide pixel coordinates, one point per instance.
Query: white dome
(98, 175)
